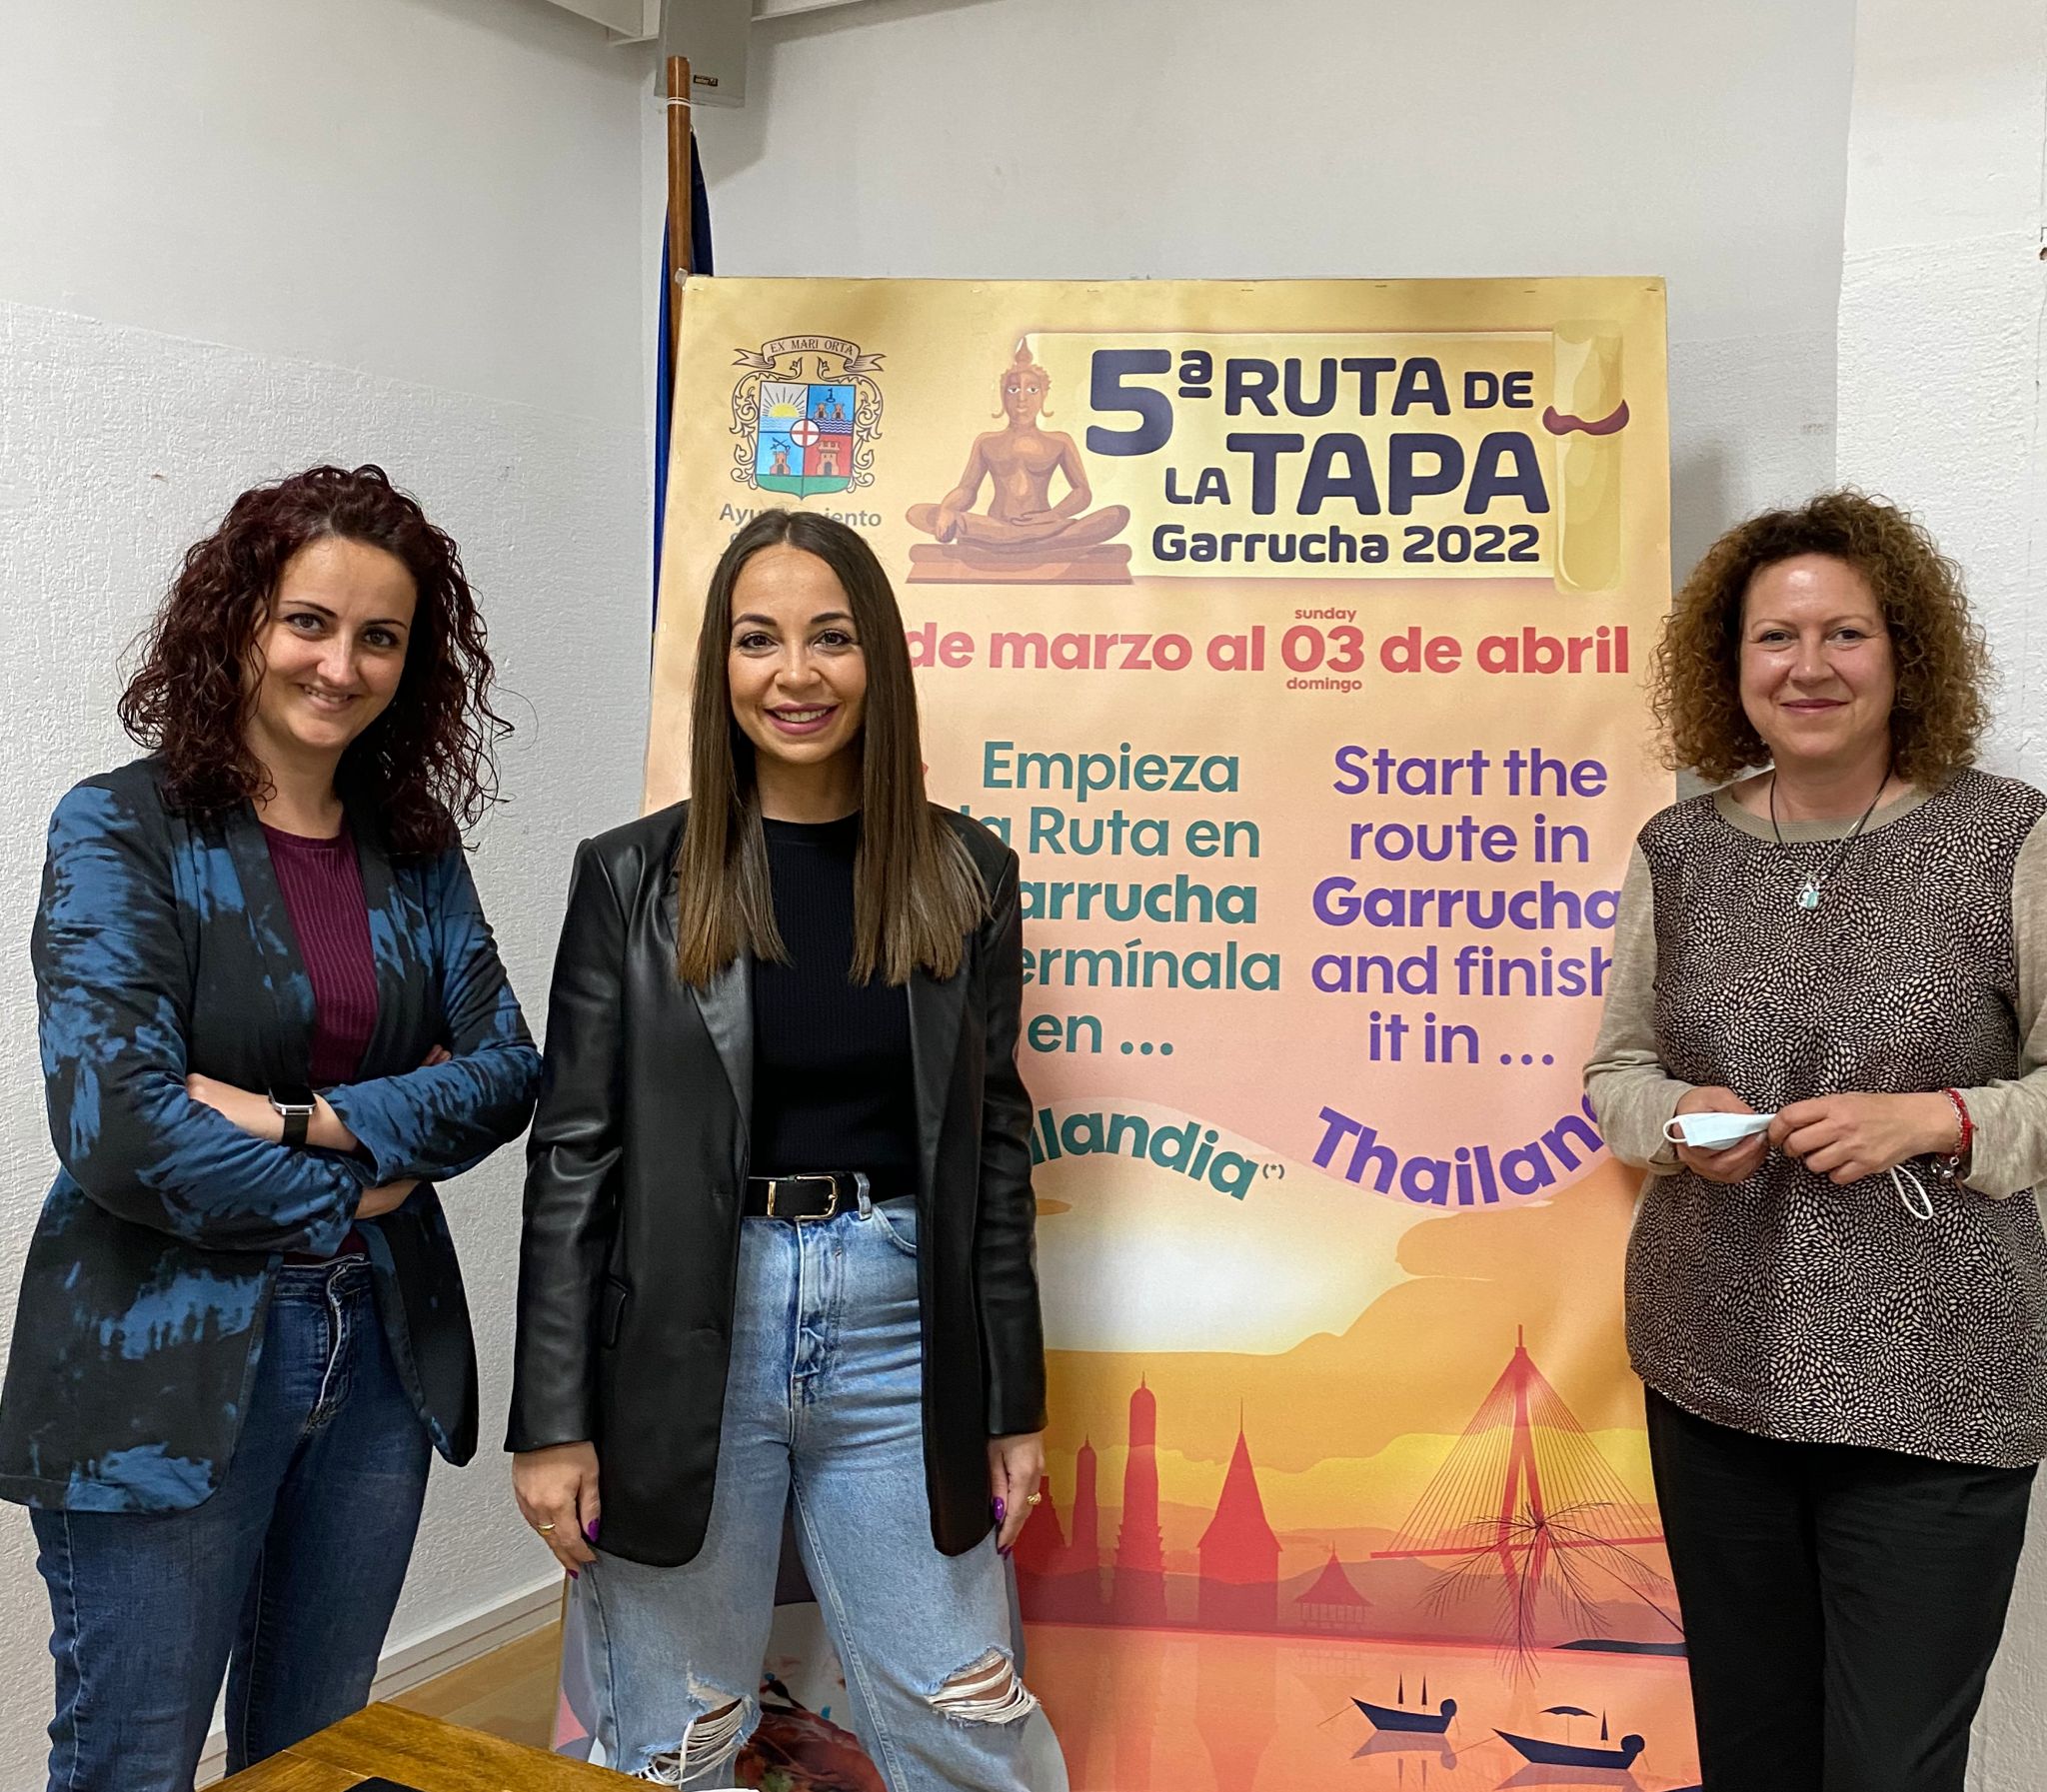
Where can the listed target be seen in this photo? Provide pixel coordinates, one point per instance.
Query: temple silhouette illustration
(1139, 1592)
(1333, 1605)
(1239, 1553)
(1062, 1576)
(1523, 1483)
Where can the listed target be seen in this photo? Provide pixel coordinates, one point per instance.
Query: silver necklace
(1808, 892)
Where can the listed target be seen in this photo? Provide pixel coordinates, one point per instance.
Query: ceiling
(637, 21)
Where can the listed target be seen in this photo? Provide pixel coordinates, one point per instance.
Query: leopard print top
(1785, 1306)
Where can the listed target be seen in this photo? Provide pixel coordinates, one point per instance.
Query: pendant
(1808, 897)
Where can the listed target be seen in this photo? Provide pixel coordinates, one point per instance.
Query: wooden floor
(509, 1692)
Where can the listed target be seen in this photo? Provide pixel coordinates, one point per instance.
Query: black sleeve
(1012, 1329)
(571, 1156)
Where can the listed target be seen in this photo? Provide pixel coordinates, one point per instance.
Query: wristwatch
(296, 1102)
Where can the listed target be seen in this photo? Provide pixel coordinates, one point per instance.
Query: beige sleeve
(1630, 1091)
(2010, 1149)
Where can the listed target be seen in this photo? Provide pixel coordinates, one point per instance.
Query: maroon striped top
(323, 894)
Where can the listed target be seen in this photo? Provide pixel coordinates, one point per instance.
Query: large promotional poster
(1294, 636)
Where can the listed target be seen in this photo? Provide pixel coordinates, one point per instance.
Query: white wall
(239, 235)
(1118, 138)
(1942, 297)
(1707, 144)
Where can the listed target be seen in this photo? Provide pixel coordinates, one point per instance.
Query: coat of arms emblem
(806, 411)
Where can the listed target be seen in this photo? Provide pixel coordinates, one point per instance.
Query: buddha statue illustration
(1023, 535)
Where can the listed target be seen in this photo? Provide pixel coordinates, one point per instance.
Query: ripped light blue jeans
(824, 1413)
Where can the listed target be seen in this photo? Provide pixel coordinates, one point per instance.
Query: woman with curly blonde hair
(1824, 1040)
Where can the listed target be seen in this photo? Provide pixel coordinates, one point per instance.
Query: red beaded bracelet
(1965, 1128)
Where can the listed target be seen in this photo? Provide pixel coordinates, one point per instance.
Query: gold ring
(543, 1529)
(1032, 1499)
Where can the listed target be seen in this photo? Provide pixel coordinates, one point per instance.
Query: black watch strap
(295, 1102)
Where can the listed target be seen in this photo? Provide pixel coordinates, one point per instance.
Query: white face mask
(1715, 1131)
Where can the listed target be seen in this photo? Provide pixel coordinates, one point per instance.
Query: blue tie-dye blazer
(162, 947)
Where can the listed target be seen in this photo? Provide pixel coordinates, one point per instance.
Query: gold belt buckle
(831, 1208)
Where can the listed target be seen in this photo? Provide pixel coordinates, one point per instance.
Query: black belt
(816, 1194)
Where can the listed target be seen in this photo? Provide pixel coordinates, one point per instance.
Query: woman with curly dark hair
(272, 1017)
(1824, 1039)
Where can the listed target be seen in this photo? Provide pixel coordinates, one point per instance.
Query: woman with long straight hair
(272, 1018)
(779, 1216)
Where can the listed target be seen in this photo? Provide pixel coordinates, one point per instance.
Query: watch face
(292, 1097)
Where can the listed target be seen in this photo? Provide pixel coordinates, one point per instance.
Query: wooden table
(417, 1751)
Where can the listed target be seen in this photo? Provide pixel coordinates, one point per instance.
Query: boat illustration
(1573, 1754)
(1405, 1720)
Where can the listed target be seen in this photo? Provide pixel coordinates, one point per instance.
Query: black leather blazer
(633, 1167)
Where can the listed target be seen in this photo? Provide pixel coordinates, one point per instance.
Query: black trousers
(1841, 1606)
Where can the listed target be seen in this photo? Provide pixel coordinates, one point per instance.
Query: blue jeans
(824, 1412)
(285, 1578)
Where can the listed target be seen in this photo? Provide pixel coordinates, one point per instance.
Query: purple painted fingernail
(573, 1575)
(590, 1530)
(1002, 1511)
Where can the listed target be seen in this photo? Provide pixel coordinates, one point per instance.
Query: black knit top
(833, 1087)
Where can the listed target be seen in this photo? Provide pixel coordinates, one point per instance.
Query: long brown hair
(427, 765)
(915, 893)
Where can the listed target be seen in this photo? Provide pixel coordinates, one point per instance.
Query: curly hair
(427, 765)
(1942, 666)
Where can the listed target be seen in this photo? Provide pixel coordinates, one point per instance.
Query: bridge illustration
(1526, 1502)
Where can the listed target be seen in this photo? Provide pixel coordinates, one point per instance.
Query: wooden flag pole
(678, 195)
